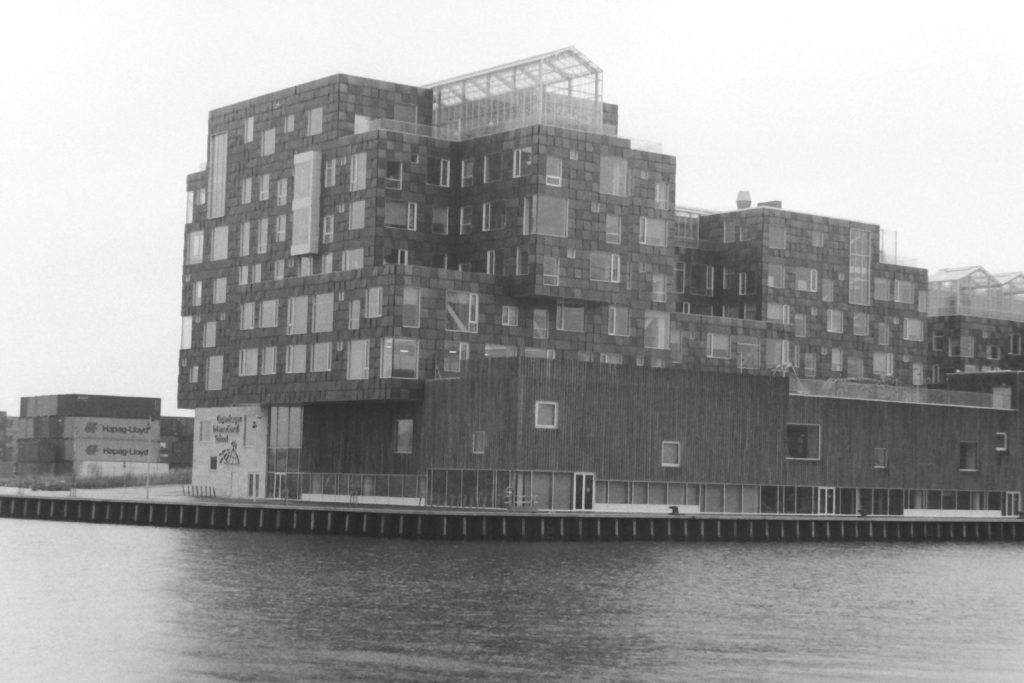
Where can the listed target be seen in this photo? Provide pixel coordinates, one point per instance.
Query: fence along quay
(499, 525)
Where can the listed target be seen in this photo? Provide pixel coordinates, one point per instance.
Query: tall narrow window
(411, 306)
(618, 321)
(522, 162)
(492, 167)
(553, 171)
(613, 229)
(461, 311)
(295, 358)
(374, 296)
(403, 436)
(323, 312)
(860, 266)
(614, 176)
(467, 173)
(393, 175)
(653, 232)
(269, 142)
(218, 168)
(438, 171)
(315, 121)
(439, 220)
(357, 172)
(358, 360)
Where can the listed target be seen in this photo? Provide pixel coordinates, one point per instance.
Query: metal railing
(842, 388)
(355, 485)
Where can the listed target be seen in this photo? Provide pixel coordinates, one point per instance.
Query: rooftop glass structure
(973, 291)
(561, 88)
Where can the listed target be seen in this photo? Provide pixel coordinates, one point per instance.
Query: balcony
(874, 391)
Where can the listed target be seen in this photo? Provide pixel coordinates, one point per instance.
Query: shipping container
(86, 405)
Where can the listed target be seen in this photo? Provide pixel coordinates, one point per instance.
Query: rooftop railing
(454, 132)
(996, 306)
(871, 391)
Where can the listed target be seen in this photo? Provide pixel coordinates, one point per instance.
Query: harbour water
(82, 602)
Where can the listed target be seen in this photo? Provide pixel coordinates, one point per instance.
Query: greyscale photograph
(492, 341)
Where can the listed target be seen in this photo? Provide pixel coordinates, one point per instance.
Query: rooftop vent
(775, 204)
(743, 200)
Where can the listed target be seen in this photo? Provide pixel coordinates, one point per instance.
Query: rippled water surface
(98, 603)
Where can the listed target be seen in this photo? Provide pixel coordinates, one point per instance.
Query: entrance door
(279, 488)
(583, 491)
(1012, 503)
(826, 500)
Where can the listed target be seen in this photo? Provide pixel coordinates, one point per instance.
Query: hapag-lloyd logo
(122, 430)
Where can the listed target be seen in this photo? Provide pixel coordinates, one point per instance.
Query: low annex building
(476, 293)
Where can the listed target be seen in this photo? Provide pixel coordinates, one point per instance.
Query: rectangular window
(880, 458)
(546, 215)
(246, 190)
(490, 263)
(321, 357)
(197, 293)
(854, 366)
(330, 173)
(569, 318)
(545, 414)
(269, 364)
(614, 176)
(289, 123)
(264, 187)
(454, 353)
(467, 173)
(810, 364)
(828, 289)
(247, 362)
(247, 316)
(806, 279)
(485, 222)
(656, 329)
(913, 329)
(295, 358)
(881, 288)
(262, 236)
(861, 324)
(190, 207)
(352, 259)
(281, 228)
(355, 313)
(835, 321)
(479, 442)
(717, 345)
(214, 373)
(604, 267)
(776, 236)
(778, 353)
(400, 215)
(219, 248)
(250, 129)
(837, 360)
(399, 358)
(439, 220)
(882, 364)
(492, 167)
(653, 232)
(438, 171)
(671, 454)
(358, 361)
(550, 274)
(218, 169)
(904, 292)
(465, 220)
(968, 456)
(522, 162)
(315, 121)
(268, 313)
(195, 247)
(374, 297)
(1015, 346)
(884, 334)
(357, 172)
(323, 312)
(461, 311)
(659, 287)
(803, 442)
(393, 175)
(777, 313)
(541, 326)
(613, 229)
(403, 436)
(282, 191)
(244, 238)
(220, 290)
(209, 334)
(1001, 442)
(553, 171)
(800, 325)
(618, 321)
(510, 316)
(410, 307)
(298, 315)
(279, 269)
(269, 142)
(776, 275)
(327, 233)
(860, 266)
(186, 332)
(327, 263)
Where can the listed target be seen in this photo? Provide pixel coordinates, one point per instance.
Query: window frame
(551, 423)
(678, 448)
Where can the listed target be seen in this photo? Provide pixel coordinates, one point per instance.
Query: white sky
(909, 115)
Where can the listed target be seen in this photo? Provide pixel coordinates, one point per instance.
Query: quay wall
(500, 525)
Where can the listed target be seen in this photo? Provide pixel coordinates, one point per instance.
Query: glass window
(510, 316)
(269, 365)
(315, 121)
(374, 300)
(467, 173)
(295, 358)
(217, 177)
(861, 324)
(186, 332)
(461, 311)
(492, 167)
(835, 321)
(358, 359)
(569, 318)
(522, 162)
(803, 442)
(656, 329)
(776, 236)
(968, 456)
(219, 250)
(321, 357)
(399, 358)
(717, 345)
(247, 362)
(541, 326)
(860, 266)
(403, 436)
(776, 273)
(438, 171)
(352, 259)
(613, 229)
(618, 321)
(545, 414)
(653, 232)
(671, 454)
(393, 175)
(268, 313)
(269, 141)
(195, 246)
(410, 307)
(614, 176)
(913, 330)
(323, 312)
(357, 172)
(604, 267)
(220, 290)
(553, 171)
(400, 215)
(214, 373)
(479, 442)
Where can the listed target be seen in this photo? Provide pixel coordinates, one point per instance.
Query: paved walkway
(161, 491)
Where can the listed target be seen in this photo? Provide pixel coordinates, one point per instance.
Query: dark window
(803, 442)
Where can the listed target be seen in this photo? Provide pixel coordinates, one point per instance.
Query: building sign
(115, 450)
(103, 428)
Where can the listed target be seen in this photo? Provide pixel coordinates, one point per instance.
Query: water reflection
(91, 602)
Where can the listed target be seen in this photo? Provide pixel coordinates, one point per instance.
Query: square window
(880, 458)
(671, 452)
(803, 442)
(545, 414)
(1001, 442)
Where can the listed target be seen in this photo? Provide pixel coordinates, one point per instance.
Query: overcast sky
(908, 115)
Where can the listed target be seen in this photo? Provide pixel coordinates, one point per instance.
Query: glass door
(1012, 503)
(254, 484)
(279, 485)
(826, 500)
(583, 491)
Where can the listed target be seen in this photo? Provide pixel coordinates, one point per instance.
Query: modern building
(369, 266)
(975, 320)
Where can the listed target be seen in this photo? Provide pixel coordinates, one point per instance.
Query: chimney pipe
(743, 200)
